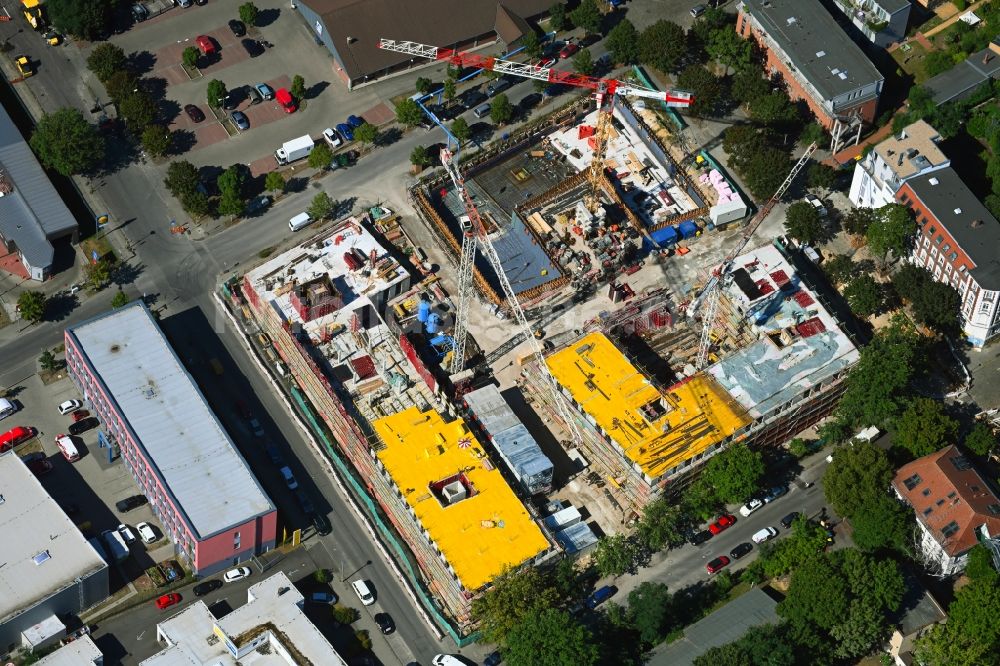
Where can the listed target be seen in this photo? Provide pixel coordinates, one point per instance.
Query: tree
(532, 45)
(859, 631)
(857, 220)
(408, 113)
(232, 179)
(298, 87)
(231, 203)
(138, 111)
(924, 427)
(937, 62)
(31, 305)
(587, 16)
(320, 157)
(190, 56)
(663, 45)
(366, 133)
(274, 182)
(648, 611)
(799, 447)
(909, 280)
(501, 110)
(817, 595)
(321, 206)
(423, 85)
(120, 299)
(453, 71)
(568, 581)
(726, 47)
(803, 223)
(182, 178)
(766, 171)
(120, 85)
(105, 60)
(623, 43)
(66, 142)
(882, 522)
(551, 637)
(980, 564)
(98, 274)
(322, 576)
(820, 176)
(662, 525)
(859, 474)
(216, 93)
(419, 156)
(557, 16)
(748, 85)
(249, 13)
(513, 596)
(196, 204)
(766, 645)
(815, 133)
(980, 440)
(460, 128)
(448, 89)
(891, 231)
(971, 636)
(839, 268)
(345, 614)
(773, 108)
(86, 19)
(864, 295)
(156, 140)
(617, 554)
(735, 473)
(700, 498)
(937, 305)
(583, 62)
(48, 361)
(709, 93)
(780, 557)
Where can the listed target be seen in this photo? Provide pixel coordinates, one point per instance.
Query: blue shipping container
(688, 229)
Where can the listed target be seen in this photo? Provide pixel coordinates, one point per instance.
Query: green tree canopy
(182, 178)
(120, 85)
(448, 89)
(216, 93)
(248, 13)
(196, 204)
(419, 156)
(766, 171)
(156, 140)
(778, 558)
(980, 440)
(662, 525)
(583, 62)
(623, 43)
(766, 645)
(881, 522)
(190, 56)
(501, 110)
(980, 564)
(31, 305)
(748, 85)
(817, 595)
(366, 133)
(617, 554)
(773, 108)
(663, 45)
(865, 296)
(274, 181)
(860, 473)
(321, 156)
(66, 142)
(858, 220)
(587, 15)
(971, 637)
(48, 360)
(86, 19)
(120, 299)
(735, 473)
(460, 128)
(923, 427)
(298, 87)
(232, 180)
(321, 206)
(138, 111)
(891, 231)
(557, 16)
(839, 268)
(818, 175)
(709, 92)
(649, 606)
(551, 637)
(727, 48)
(231, 203)
(938, 306)
(803, 223)
(513, 596)
(98, 274)
(423, 84)
(105, 60)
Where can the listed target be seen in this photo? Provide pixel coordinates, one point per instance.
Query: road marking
(139, 637)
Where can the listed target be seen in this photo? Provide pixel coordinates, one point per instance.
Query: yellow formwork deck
(480, 535)
(656, 431)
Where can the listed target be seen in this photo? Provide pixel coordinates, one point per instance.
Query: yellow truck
(34, 11)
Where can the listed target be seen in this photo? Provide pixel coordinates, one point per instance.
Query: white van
(67, 448)
(364, 592)
(6, 408)
(116, 544)
(299, 221)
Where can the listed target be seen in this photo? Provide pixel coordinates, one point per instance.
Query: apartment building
(181, 458)
(818, 61)
(882, 22)
(957, 242)
(879, 175)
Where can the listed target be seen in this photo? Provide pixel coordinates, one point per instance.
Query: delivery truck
(295, 149)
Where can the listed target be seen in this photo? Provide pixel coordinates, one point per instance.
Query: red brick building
(816, 58)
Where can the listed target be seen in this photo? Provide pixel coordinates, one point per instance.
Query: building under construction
(779, 363)
(359, 342)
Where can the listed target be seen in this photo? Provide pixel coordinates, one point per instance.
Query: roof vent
(958, 211)
(843, 76)
(820, 54)
(792, 20)
(454, 492)
(976, 223)
(933, 181)
(835, 71)
(41, 557)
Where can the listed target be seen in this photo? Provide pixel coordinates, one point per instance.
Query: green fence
(673, 115)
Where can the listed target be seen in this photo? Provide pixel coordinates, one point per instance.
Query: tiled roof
(950, 498)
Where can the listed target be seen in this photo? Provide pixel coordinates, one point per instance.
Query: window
(930, 232)
(912, 482)
(939, 502)
(905, 198)
(236, 540)
(927, 491)
(939, 239)
(949, 529)
(928, 511)
(994, 509)
(947, 246)
(952, 495)
(962, 269)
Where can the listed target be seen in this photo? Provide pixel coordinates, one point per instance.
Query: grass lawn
(96, 242)
(912, 61)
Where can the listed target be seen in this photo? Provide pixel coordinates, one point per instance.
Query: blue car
(354, 121)
(600, 595)
(346, 131)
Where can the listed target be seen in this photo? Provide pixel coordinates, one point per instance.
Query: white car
(234, 575)
(331, 137)
(764, 534)
(816, 203)
(146, 533)
(364, 592)
(750, 507)
(69, 406)
(446, 660)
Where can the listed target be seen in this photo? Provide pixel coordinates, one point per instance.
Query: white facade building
(879, 175)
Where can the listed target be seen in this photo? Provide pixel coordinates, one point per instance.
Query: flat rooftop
(656, 430)
(273, 613)
(188, 448)
(800, 344)
(818, 47)
(914, 149)
(457, 495)
(43, 552)
(81, 652)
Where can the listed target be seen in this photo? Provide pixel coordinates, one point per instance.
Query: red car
(205, 43)
(80, 414)
(716, 565)
(286, 100)
(547, 61)
(168, 600)
(722, 523)
(568, 51)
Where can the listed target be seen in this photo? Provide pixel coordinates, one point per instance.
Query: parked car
(33, 456)
(473, 98)
(285, 99)
(346, 131)
(547, 61)
(774, 493)
(328, 598)
(40, 467)
(569, 50)
(256, 428)
(244, 409)
(83, 426)
(240, 120)
(168, 600)
(493, 659)
(206, 44)
(127, 534)
(698, 10)
(194, 113)
(69, 406)
(146, 533)
(274, 455)
(233, 575)
(290, 482)
(385, 623)
(266, 91)
(816, 203)
(258, 205)
(252, 47)
(750, 507)
(253, 95)
(79, 415)
(237, 27)
(698, 538)
(321, 524)
(498, 86)
(717, 564)
(763, 535)
(129, 503)
(24, 66)
(305, 502)
(139, 13)
(355, 121)
(741, 550)
(364, 592)
(203, 588)
(787, 521)
(331, 137)
(722, 523)
(599, 596)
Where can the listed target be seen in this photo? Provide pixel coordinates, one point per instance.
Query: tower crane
(710, 294)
